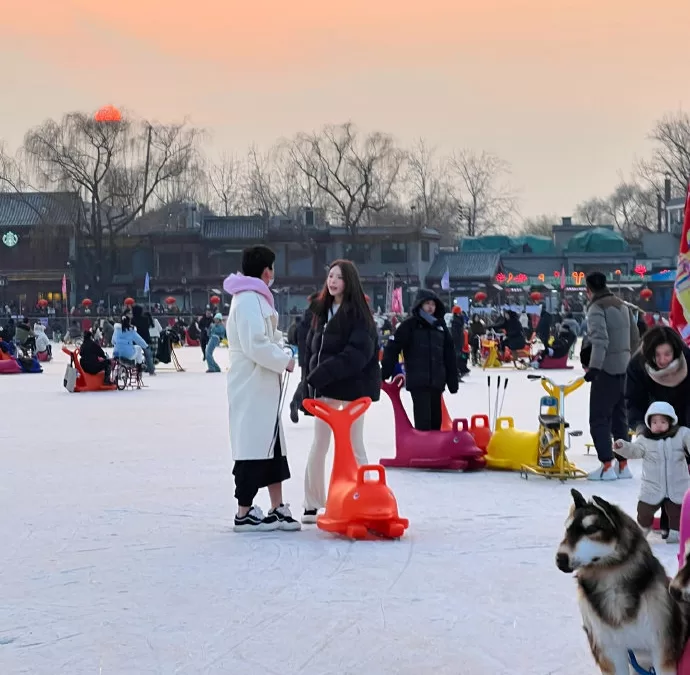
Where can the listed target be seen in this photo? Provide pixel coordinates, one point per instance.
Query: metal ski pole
(503, 398)
(498, 387)
(488, 384)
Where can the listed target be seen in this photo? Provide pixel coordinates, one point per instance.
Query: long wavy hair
(354, 303)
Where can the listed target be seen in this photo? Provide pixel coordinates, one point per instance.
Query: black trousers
(253, 474)
(426, 406)
(607, 415)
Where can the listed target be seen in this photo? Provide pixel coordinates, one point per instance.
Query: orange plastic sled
(85, 381)
(4, 356)
(356, 507)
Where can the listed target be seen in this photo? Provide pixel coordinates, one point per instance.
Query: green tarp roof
(528, 243)
(597, 240)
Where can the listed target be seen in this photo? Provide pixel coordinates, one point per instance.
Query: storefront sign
(10, 239)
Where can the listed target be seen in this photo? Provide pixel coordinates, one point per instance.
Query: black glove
(592, 374)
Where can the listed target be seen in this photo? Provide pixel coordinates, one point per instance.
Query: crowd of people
(342, 357)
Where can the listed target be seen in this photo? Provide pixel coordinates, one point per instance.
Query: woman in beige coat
(663, 448)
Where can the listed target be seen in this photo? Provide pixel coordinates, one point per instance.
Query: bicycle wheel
(121, 377)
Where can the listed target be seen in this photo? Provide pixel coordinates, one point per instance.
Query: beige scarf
(671, 376)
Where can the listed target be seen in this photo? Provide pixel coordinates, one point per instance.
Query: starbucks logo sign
(10, 239)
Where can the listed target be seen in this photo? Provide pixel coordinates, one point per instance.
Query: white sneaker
(624, 473)
(673, 537)
(603, 474)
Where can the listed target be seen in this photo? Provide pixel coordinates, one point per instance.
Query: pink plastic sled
(684, 665)
(415, 449)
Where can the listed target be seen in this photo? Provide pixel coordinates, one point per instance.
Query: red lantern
(535, 296)
(108, 113)
(480, 296)
(130, 301)
(646, 293)
(42, 303)
(170, 300)
(215, 300)
(556, 274)
(86, 302)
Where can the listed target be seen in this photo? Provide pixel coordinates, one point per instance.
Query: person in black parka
(429, 356)
(93, 359)
(341, 365)
(301, 332)
(515, 336)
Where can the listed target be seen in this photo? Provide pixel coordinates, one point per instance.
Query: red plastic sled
(356, 507)
(555, 364)
(85, 381)
(189, 341)
(455, 449)
(10, 367)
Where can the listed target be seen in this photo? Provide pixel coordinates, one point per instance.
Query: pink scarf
(238, 283)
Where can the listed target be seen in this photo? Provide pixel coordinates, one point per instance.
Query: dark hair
(256, 259)
(354, 299)
(126, 322)
(596, 281)
(657, 336)
(88, 335)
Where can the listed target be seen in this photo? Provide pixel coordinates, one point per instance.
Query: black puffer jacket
(641, 391)
(515, 336)
(141, 323)
(341, 359)
(302, 333)
(427, 349)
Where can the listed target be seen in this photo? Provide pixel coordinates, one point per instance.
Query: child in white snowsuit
(663, 447)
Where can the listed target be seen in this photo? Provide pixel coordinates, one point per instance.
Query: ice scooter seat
(552, 421)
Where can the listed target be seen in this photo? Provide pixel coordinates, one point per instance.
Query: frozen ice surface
(117, 555)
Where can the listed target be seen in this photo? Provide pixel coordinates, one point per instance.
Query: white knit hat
(661, 408)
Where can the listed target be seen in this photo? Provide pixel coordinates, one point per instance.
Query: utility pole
(146, 168)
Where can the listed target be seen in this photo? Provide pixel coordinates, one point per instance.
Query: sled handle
(460, 424)
(510, 422)
(362, 471)
(324, 411)
(358, 407)
(399, 380)
(484, 419)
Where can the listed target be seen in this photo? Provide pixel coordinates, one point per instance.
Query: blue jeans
(148, 355)
(213, 342)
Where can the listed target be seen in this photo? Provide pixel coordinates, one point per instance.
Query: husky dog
(623, 590)
(680, 586)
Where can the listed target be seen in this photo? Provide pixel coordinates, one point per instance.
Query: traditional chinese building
(38, 234)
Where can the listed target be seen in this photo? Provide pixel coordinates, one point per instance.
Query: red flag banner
(397, 303)
(64, 285)
(680, 304)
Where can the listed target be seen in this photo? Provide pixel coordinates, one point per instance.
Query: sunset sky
(565, 90)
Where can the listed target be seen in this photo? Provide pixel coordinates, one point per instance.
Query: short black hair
(256, 259)
(596, 281)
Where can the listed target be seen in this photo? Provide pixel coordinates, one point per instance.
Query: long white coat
(664, 467)
(257, 361)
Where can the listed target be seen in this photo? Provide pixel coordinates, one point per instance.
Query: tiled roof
(31, 209)
(465, 265)
(250, 228)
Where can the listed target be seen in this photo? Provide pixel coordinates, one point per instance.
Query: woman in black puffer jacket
(658, 371)
(341, 365)
(429, 354)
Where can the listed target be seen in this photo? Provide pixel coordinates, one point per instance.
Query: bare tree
(592, 212)
(355, 174)
(227, 180)
(116, 166)
(482, 200)
(11, 175)
(671, 154)
(632, 210)
(539, 225)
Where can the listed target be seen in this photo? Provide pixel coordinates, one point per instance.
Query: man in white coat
(257, 364)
